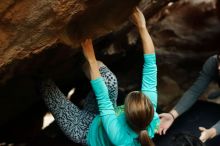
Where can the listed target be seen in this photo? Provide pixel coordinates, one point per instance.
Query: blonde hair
(139, 113)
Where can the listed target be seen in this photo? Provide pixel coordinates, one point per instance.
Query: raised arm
(110, 123)
(139, 20)
(89, 54)
(149, 78)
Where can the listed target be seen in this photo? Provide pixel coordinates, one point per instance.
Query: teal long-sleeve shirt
(110, 127)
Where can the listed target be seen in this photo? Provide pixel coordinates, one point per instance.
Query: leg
(72, 121)
(112, 85)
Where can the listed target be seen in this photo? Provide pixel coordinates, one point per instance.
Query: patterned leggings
(73, 121)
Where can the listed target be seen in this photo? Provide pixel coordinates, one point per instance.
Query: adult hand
(207, 133)
(166, 120)
(138, 18)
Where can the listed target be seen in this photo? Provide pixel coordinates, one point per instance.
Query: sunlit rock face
(29, 27)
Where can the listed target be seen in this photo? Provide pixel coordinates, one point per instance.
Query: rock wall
(187, 34)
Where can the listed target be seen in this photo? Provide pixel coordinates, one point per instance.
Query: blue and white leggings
(71, 120)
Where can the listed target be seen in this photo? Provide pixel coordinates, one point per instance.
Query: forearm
(217, 128)
(148, 46)
(199, 86)
(184, 104)
(174, 113)
(186, 101)
(94, 69)
(89, 54)
(139, 20)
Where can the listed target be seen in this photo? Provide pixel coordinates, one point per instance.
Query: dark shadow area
(201, 114)
(23, 127)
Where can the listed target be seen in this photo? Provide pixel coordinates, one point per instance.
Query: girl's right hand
(166, 120)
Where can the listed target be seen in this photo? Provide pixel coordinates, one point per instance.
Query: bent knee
(85, 65)
(86, 68)
(100, 63)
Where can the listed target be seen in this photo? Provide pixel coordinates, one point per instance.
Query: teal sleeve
(149, 78)
(102, 96)
(207, 74)
(112, 126)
